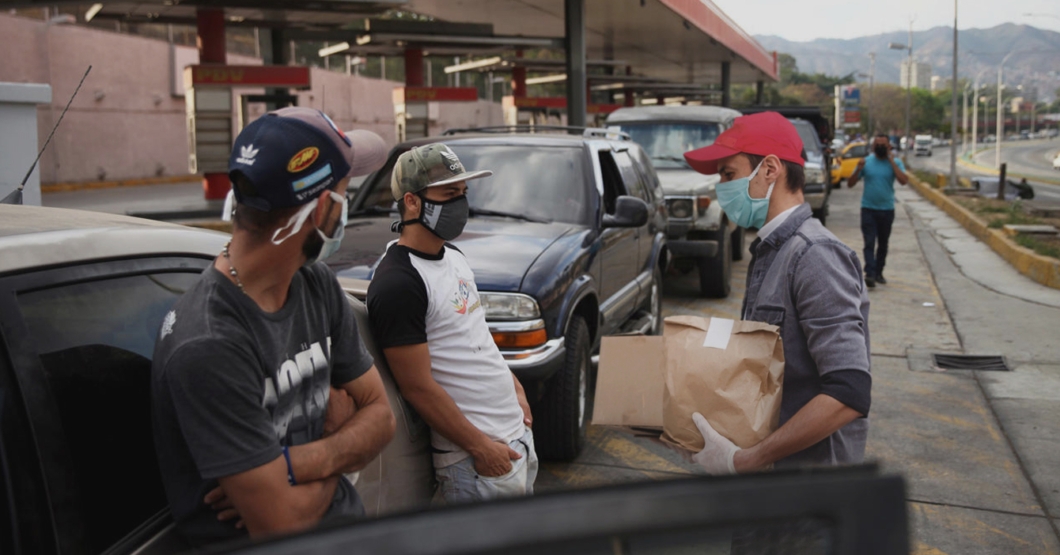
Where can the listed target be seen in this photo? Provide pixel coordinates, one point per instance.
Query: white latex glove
(716, 456)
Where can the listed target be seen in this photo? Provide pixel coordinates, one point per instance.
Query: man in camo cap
(428, 319)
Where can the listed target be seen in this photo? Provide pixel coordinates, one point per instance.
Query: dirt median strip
(88, 185)
(1043, 269)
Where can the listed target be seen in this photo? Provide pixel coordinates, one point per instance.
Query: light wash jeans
(460, 483)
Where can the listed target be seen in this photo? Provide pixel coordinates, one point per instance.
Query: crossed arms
(361, 424)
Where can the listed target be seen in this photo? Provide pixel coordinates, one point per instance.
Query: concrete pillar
(278, 56)
(759, 89)
(413, 67)
(210, 23)
(18, 142)
(577, 99)
(519, 78)
(726, 85)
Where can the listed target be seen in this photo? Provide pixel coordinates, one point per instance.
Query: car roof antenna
(16, 196)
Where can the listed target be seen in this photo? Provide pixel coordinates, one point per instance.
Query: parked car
(699, 234)
(82, 298)
(818, 190)
(843, 166)
(567, 242)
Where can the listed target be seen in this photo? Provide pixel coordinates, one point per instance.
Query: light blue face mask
(735, 199)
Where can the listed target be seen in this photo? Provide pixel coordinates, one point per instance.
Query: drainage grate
(971, 362)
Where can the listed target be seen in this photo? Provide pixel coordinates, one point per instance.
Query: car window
(630, 176)
(808, 136)
(612, 178)
(857, 151)
(540, 182)
(643, 164)
(95, 340)
(666, 142)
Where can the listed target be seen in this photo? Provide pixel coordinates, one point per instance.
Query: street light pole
(1000, 113)
(908, 80)
(953, 105)
(975, 113)
(964, 119)
(909, 88)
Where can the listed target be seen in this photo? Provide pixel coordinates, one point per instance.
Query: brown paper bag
(735, 384)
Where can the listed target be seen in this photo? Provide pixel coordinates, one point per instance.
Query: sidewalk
(978, 449)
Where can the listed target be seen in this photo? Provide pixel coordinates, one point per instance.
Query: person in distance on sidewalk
(877, 204)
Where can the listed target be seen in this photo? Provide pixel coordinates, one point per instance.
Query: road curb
(89, 185)
(1042, 269)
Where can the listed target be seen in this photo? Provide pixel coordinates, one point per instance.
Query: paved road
(1033, 158)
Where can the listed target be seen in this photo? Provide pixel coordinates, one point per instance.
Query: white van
(922, 145)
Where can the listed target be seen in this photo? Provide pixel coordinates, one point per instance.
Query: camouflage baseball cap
(429, 166)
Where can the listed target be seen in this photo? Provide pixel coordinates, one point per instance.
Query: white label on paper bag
(718, 333)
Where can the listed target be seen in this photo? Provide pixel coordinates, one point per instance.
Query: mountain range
(1035, 63)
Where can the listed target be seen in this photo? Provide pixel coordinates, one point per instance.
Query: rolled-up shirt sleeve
(828, 292)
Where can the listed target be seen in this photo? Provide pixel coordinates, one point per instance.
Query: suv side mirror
(629, 212)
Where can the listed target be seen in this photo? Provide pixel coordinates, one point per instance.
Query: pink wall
(125, 123)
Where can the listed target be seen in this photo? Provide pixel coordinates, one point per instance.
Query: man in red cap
(805, 281)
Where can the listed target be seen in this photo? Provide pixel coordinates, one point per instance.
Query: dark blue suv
(567, 242)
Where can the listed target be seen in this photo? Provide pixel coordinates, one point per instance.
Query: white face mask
(331, 244)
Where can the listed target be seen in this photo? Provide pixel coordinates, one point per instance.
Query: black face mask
(880, 150)
(444, 219)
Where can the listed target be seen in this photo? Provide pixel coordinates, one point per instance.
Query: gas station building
(602, 54)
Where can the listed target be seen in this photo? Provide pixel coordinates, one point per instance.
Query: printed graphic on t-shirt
(297, 395)
(462, 298)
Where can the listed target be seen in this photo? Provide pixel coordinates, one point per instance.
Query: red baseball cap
(761, 134)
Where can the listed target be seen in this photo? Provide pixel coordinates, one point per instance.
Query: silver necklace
(232, 269)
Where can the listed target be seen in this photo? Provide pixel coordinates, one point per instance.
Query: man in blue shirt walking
(877, 204)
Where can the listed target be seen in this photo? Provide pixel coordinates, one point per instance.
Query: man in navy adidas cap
(263, 396)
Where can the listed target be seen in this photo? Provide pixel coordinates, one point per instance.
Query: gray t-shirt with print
(232, 384)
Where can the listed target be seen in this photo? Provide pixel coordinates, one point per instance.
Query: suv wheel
(562, 416)
(715, 273)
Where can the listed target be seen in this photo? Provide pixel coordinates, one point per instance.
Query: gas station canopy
(682, 41)
(676, 41)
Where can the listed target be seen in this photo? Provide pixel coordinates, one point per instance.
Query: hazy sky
(804, 20)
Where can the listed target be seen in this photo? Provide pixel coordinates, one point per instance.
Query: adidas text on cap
(289, 157)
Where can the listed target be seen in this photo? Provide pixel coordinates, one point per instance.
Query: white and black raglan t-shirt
(419, 298)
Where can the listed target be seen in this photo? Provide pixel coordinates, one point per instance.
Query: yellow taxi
(846, 162)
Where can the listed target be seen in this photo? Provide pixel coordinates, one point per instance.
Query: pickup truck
(699, 234)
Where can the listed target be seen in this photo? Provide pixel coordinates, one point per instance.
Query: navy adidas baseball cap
(290, 156)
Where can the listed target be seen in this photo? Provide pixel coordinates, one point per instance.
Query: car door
(79, 342)
(637, 185)
(619, 252)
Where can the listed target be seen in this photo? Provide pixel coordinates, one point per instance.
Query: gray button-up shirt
(807, 282)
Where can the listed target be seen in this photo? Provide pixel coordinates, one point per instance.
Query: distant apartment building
(919, 75)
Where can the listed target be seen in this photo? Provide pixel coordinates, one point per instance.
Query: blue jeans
(460, 483)
(876, 229)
